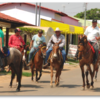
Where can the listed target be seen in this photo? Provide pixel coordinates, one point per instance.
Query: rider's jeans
(48, 53)
(96, 50)
(31, 54)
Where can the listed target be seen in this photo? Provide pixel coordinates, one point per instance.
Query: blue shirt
(37, 40)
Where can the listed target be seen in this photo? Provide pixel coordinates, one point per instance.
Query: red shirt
(15, 41)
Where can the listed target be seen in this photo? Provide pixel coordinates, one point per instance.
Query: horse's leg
(88, 85)
(59, 75)
(19, 75)
(56, 78)
(96, 73)
(36, 75)
(91, 74)
(83, 76)
(51, 67)
(12, 77)
(32, 72)
(39, 75)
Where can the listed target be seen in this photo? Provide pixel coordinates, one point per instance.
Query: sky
(70, 8)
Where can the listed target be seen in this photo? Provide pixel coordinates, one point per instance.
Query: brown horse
(23, 50)
(87, 59)
(37, 62)
(55, 62)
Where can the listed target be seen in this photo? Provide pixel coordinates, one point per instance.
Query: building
(26, 12)
(9, 24)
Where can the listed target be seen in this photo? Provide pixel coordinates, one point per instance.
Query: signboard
(72, 51)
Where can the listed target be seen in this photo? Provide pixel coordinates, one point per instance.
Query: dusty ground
(4, 78)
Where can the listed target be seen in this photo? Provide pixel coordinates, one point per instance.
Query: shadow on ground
(31, 86)
(70, 86)
(96, 89)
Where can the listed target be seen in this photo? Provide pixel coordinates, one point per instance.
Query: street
(70, 85)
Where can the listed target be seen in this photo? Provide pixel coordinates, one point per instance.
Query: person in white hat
(56, 38)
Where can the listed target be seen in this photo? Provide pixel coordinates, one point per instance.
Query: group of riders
(15, 41)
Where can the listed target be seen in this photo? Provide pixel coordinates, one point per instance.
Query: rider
(1, 46)
(93, 34)
(56, 38)
(16, 40)
(35, 42)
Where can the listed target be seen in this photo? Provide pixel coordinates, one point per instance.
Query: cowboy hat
(57, 29)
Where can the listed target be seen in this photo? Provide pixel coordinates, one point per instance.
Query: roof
(73, 18)
(11, 19)
(57, 12)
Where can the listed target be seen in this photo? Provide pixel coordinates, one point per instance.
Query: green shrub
(31, 31)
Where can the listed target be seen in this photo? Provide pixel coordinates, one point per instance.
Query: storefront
(67, 31)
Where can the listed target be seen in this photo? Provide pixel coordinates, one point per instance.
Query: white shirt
(56, 40)
(92, 33)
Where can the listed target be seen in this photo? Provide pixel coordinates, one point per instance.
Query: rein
(42, 51)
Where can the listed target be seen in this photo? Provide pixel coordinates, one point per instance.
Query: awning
(65, 28)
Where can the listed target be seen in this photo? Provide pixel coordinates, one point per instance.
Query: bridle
(42, 54)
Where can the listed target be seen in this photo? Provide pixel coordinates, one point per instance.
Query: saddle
(6, 52)
(34, 53)
(91, 47)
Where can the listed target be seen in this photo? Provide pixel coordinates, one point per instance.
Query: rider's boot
(30, 63)
(46, 65)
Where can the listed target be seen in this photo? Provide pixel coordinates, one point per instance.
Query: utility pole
(39, 14)
(36, 14)
(85, 4)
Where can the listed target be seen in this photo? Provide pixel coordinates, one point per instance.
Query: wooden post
(25, 36)
(7, 35)
(1, 28)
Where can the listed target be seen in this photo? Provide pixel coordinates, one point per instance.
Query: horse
(23, 50)
(86, 59)
(37, 61)
(56, 61)
(14, 60)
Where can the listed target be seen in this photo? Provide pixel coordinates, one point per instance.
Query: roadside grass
(72, 62)
(27, 74)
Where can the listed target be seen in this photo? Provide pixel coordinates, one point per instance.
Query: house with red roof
(26, 12)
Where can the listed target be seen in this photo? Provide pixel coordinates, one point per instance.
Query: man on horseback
(1, 46)
(93, 34)
(16, 40)
(36, 41)
(56, 38)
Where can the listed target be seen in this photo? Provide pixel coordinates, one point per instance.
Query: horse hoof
(91, 87)
(51, 85)
(96, 80)
(83, 88)
(57, 84)
(17, 90)
(88, 86)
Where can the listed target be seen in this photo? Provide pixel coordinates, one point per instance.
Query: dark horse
(14, 60)
(37, 62)
(87, 59)
(56, 62)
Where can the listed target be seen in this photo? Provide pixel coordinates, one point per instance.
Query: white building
(26, 12)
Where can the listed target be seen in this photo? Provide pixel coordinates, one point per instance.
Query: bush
(31, 31)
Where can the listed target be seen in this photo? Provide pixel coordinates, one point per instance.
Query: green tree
(90, 14)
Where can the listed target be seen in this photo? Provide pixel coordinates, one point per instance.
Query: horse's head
(42, 47)
(82, 44)
(55, 48)
(23, 50)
